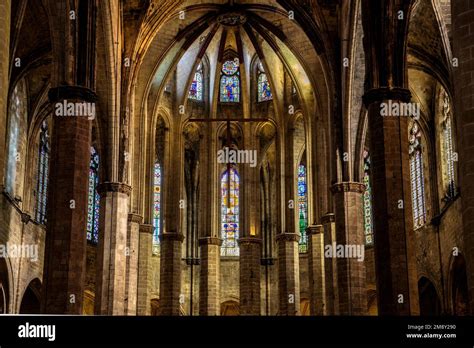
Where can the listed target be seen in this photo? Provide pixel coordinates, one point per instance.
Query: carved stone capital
(314, 229)
(288, 237)
(120, 187)
(328, 218)
(348, 187)
(171, 236)
(146, 228)
(249, 240)
(210, 241)
(72, 93)
(378, 95)
(132, 217)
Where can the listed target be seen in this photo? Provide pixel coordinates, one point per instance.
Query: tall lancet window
(195, 91)
(16, 126)
(230, 82)
(42, 183)
(94, 199)
(448, 150)
(263, 86)
(302, 208)
(367, 201)
(417, 177)
(230, 182)
(156, 206)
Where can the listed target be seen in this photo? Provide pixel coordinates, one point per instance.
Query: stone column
(317, 279)
(250, 255)
(170, 272)
(131, 276)
(350, 237)
(393, 224)
(463, 50)
(209, 286)
(145, 245)
(330, 266)
(65, 249)
(288, 273)
(111, 251)
(386, 37)
(5, 18)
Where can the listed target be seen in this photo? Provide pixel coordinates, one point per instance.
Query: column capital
(314, 229)
(132, 217)
(348, 187)
(71, 92)
(210, 241)
(174, 236)
(328, 218)
(249, 240)
(288, 237)
(120, 187)
(377, 95)
(146, 228)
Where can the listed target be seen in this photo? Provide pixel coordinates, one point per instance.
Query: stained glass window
(230, 82)
(156, 206)
(42, 184)
(195, 91)
(302, 208)
(263, 86)
(367, 201)
(448, 150)
(416, 176)
(94, 199)
(17, 115)
(230, 212)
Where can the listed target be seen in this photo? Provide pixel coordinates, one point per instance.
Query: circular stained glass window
(229, 67)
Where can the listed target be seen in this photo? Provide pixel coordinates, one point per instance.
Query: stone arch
(4, 287)
(372, 307)
(429, 300)
(457, 286)
(30, 302)
(230, 308)
(305, 306)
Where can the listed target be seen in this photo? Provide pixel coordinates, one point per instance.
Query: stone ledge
(378, 95)
(348, 187)
(120, 187)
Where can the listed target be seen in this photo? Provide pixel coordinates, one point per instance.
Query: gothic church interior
(230, 157)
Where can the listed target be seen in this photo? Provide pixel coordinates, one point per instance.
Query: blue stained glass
(367, 201)
(263, 86)
(42, 184)
(302, 208)
(156, 205)
(230, 83)
(230, 212)
(93, 199)
(196, 89)
(230, 67)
